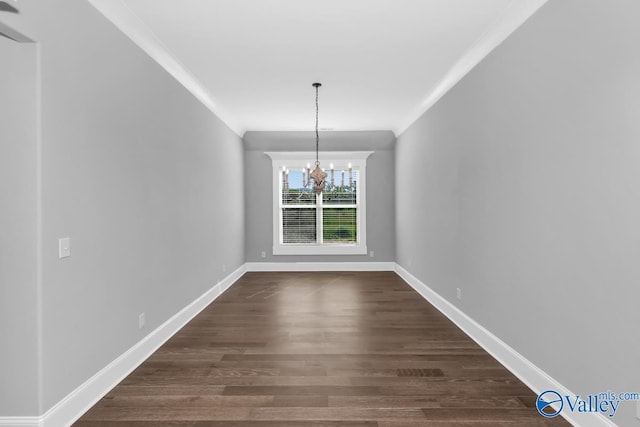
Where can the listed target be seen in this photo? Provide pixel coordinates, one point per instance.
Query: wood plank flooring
(319, 349)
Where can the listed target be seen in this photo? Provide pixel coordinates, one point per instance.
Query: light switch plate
(64, 247)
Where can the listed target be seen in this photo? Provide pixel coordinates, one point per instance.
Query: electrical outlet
(459, 293)
(409, 263)
(224, 268)
(371, 254)
(141, 321)
(64, 247)
(263, 254)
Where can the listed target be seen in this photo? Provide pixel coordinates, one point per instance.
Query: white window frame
(340, 160)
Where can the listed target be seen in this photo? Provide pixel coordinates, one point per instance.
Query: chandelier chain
(317, 135)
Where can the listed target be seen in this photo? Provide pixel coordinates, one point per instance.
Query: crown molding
(133, 27)
(513, 17)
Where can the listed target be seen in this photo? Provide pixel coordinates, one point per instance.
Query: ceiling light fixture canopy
(318, 175)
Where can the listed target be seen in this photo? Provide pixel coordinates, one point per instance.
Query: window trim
(358, 159)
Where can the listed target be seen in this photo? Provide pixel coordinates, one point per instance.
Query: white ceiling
(382, 63)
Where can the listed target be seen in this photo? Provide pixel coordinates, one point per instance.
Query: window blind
(299, 225)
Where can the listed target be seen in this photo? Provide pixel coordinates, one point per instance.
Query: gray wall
(529, 194)
(18, 227)
(259, 197)
(146, 181)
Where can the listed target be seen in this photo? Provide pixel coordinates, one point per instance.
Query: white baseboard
(535, 378)
(76, 403)
(320, 266)
(20, 421)
(86, 395)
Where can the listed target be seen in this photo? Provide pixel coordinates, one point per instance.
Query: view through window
(332, 222)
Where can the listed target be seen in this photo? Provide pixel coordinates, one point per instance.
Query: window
(330, 223)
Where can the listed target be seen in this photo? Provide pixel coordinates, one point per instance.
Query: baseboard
(320, 266)
(535, 378)
(80, 400)
(20, 421)
(85, 396)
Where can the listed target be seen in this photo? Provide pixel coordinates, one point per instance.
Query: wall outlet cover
(64, 247)
(141, 321)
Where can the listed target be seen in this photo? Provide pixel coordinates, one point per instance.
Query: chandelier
(316, 180)
(318, 175)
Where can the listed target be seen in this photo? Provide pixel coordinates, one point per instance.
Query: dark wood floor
(319, 349)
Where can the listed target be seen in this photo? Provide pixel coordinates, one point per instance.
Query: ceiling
(382, 63)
